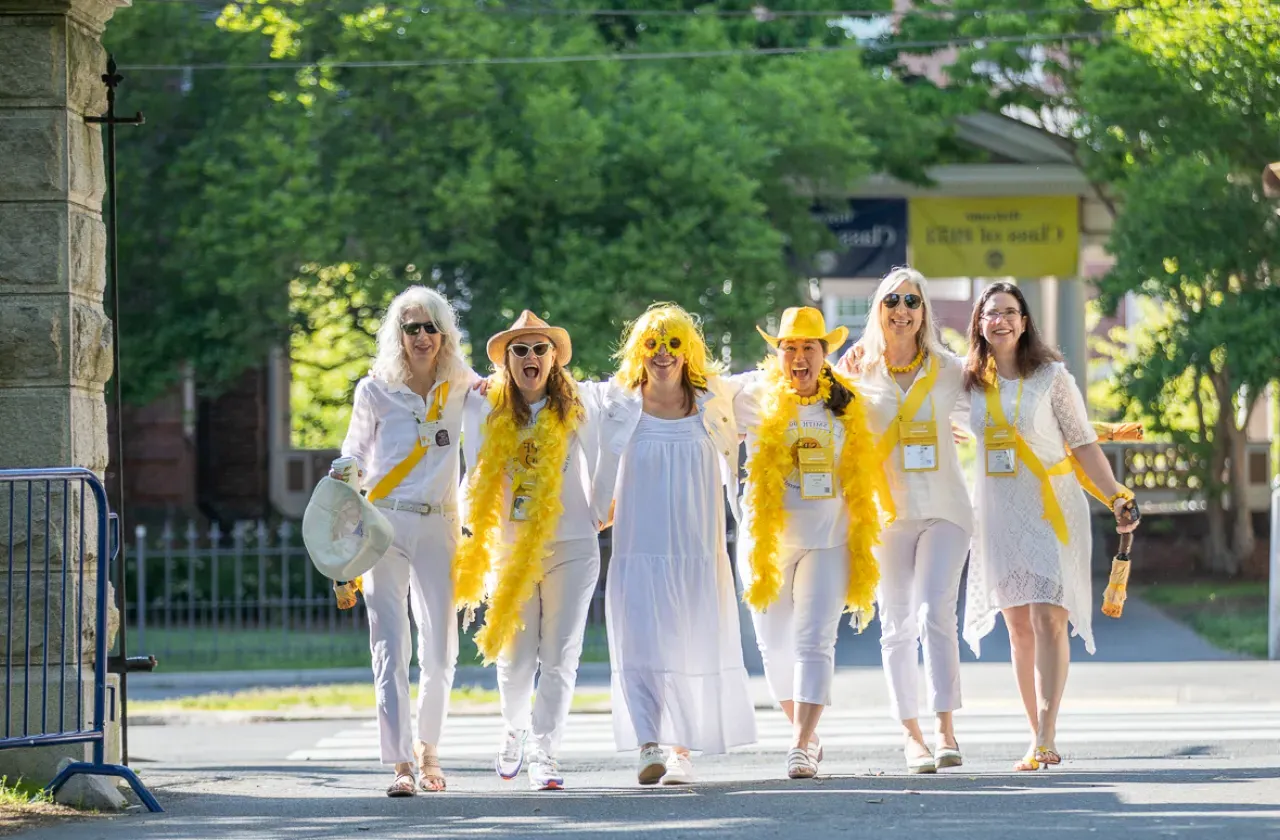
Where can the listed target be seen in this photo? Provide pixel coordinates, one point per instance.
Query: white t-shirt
(810, 523)
(576, 522)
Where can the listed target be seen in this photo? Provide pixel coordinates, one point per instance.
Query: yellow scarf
(767, 468)
(522, 570)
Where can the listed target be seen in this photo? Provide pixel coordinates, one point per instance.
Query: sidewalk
(1143, 659)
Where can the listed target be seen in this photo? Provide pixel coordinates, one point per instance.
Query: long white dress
(1017, 559)
(672, 613)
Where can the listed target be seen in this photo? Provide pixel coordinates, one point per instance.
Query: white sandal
(800, 765)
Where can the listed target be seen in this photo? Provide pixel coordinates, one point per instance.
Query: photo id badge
(817, 473)
(1001, 449)
(520, 498)
(919, 445)
(428, 431)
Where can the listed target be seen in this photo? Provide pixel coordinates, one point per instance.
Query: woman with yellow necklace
(529, 444)
(913, 387)
(809, 519)
(1031, 548)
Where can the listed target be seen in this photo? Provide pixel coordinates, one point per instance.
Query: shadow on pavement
(283, 801)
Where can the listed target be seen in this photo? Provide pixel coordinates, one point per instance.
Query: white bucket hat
(344, 533)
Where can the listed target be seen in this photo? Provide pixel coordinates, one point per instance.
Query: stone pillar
(55, 341)
(1072, 332)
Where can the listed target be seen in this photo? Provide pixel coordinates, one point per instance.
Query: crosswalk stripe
(591, 735)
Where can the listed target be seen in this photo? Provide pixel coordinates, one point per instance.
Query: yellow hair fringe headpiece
(672, 321)
(522, 570)
(767, 468)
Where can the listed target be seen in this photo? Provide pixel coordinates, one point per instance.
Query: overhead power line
(978, 40)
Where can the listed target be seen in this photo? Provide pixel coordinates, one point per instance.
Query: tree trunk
(1216, 550)
(1229, 454)
(1243, 538)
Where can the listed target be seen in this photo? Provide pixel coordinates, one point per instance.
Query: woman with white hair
(913, 386)
(404, 435)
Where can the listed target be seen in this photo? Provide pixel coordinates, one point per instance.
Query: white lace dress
(1017, 559)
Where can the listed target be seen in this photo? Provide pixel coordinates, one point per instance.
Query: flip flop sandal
(430, 776)
(1044, 755)
(1029, 762)
(402, 786)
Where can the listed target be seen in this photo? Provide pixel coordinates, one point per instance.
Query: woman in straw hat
(668, 453)
(913, 386)
(530, 443)
(404, 431)
(808, 519)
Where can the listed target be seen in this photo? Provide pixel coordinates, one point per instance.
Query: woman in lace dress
(668, 453)
(1031, 544)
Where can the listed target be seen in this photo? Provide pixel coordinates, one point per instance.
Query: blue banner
(872, 233)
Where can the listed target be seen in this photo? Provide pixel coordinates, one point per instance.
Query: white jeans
(797, 633)
(554, 619)
(416, 569)
(920, 566)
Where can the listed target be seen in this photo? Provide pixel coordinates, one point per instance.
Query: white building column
(1072, 336)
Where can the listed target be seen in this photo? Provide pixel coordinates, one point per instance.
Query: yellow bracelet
(1124, 493)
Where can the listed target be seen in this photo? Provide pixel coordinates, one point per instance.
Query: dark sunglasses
(521, 350)
(912, 301)
(412, 327)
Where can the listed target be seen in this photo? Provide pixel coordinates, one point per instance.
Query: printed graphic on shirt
(807, 434)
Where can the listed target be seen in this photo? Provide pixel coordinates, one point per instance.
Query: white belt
(411, 507)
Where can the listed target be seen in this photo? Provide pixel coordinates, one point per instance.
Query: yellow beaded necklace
(907, 368)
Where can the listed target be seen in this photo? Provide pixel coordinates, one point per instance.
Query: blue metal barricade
(51, 515)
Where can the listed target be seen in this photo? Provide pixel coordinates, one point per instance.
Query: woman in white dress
(529, 445)
(913, 387)
(404, 431)
(809, 519)
(668, 447)
(1032, 541)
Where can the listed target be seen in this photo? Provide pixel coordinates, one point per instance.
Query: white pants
(554, 619)
(417, 569)
(920, 566)
(797, 633)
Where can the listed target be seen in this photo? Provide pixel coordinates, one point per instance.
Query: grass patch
(1230, 615)
(356, 698)
(24, 806)
(214, 648)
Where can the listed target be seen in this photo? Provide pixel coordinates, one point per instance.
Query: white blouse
(934, 494)
(384, 429)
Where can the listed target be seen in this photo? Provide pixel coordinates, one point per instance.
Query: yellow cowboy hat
(530, 324)
(806, 323)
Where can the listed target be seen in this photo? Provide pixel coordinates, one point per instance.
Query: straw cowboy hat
(806, 323)
(530, 324)
(343, 532)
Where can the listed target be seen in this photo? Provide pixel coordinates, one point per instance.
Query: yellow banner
(1018, 236)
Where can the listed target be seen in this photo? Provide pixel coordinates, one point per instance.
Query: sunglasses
(892, 300)
(412, 327)
(673, 343)
(521, 350)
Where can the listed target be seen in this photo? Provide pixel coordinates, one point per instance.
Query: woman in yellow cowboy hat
(809, 519)
(530, 446)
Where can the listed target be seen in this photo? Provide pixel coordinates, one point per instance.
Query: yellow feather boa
(767, 468)
(486, 490)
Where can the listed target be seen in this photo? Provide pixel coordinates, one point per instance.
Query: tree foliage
(583, 190)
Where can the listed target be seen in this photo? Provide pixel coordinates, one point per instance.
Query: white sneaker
(511, 757)
(653, 765)
(544, 772)
(679, 770)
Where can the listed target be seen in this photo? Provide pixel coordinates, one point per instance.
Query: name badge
(520, 498)
(919, 445)
(1002, 453)
(817, 473)
(428, 431)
